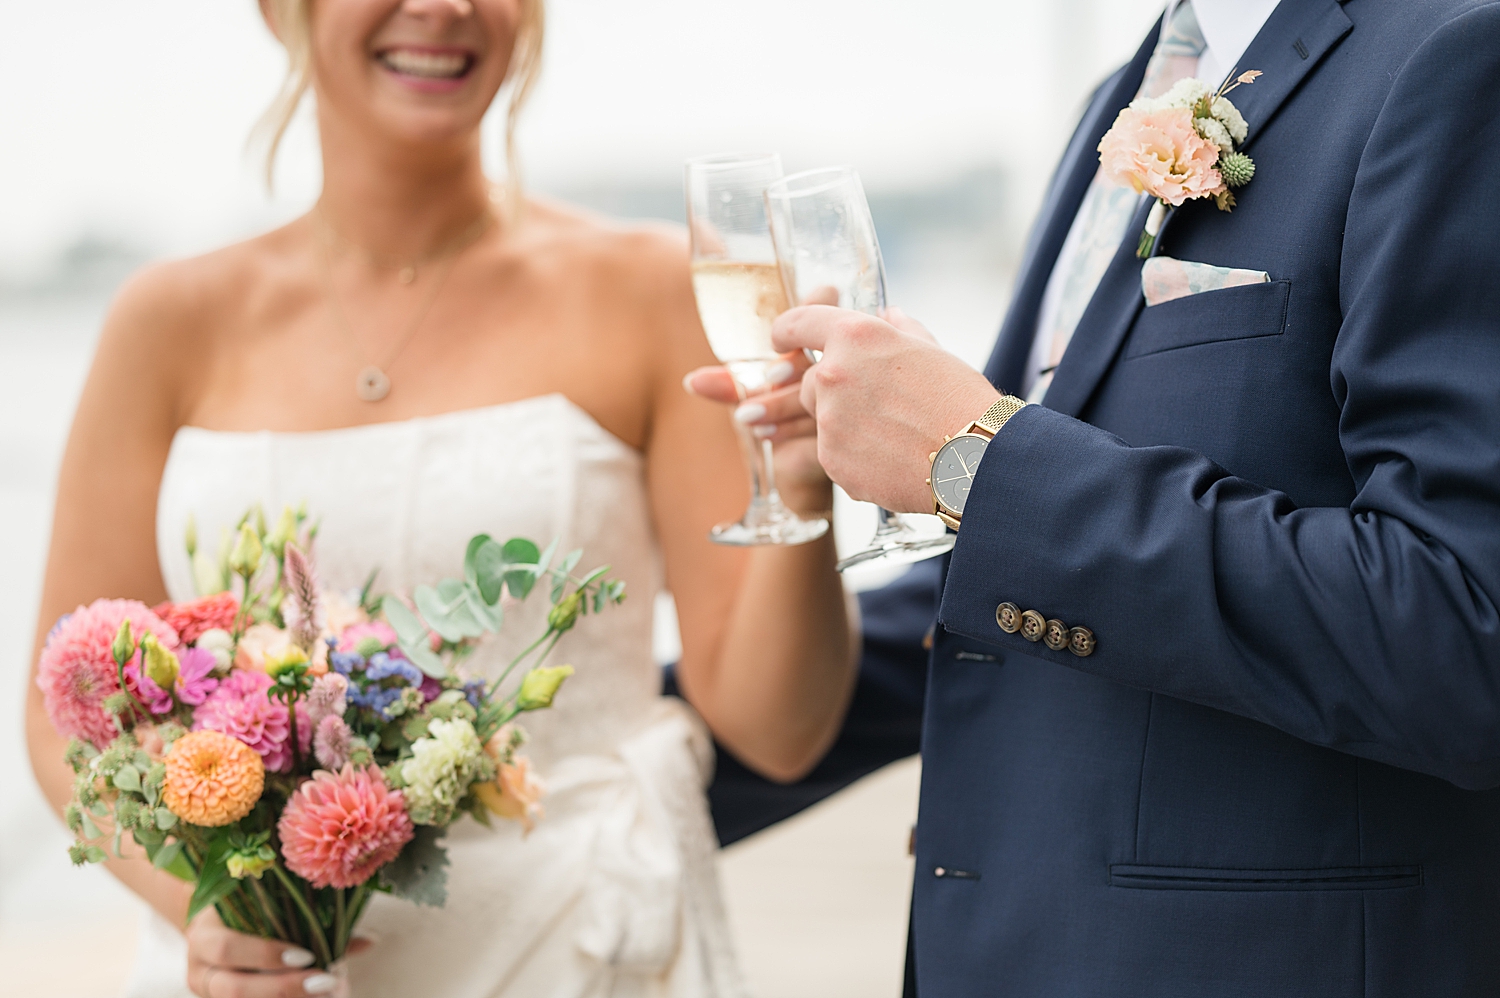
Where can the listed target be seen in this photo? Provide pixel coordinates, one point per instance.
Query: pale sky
(137, 129)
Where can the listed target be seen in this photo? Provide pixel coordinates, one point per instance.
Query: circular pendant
(372, 384)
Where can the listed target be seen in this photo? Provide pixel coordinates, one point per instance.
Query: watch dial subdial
(953, 471)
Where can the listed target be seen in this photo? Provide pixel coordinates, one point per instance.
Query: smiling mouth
(426, 65)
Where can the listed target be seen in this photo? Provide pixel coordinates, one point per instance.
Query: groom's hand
(883, 397)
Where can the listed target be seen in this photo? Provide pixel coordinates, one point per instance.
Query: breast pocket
(1250, 311)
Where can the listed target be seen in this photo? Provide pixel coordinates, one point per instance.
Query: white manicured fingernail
(767, 430)
(750, 412)
(296, 956)
(320, 984)
(779, 372)
(687, 383)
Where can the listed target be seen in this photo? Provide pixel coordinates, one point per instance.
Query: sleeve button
(1008, 616)
(1081, 642)
(1057, 636)
(1033, 625)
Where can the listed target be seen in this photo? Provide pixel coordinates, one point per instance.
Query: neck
(399, 202)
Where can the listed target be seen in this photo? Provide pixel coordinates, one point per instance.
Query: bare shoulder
(169, 317)
(634, 258)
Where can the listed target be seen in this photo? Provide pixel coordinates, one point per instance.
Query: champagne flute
(739, 295)
(825, 239)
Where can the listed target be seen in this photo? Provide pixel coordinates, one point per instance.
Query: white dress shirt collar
(1229, 26)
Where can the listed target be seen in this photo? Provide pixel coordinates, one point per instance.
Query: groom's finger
(805, 328)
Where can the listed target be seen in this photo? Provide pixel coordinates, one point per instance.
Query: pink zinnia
(242, 708)
(206, 613)
(355, 633)
(77, 672)
(337, 831)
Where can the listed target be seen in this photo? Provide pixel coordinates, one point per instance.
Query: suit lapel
(1291, 43)
(1294, 40)
(1007, 363)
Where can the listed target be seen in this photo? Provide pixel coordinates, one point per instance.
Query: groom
(1214, 698)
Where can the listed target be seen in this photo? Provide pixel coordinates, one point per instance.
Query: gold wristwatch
(954, 463)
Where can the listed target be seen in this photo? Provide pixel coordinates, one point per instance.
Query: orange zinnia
(212, 779)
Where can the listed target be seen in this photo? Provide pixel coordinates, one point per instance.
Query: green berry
(1236, 168)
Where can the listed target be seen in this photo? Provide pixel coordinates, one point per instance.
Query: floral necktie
(1105, 214)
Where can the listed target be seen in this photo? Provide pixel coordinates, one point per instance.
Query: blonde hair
(293, 20)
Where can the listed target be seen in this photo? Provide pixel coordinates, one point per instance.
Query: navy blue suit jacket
(1278, 509)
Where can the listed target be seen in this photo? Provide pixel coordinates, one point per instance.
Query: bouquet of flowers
(289, 750)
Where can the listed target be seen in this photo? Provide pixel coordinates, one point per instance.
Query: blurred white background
(124, 131)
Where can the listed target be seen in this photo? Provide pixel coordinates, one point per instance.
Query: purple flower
(156, 699)
(346, 662)
(474, 692)
(387, 666)
(431, 689)
(195, 679)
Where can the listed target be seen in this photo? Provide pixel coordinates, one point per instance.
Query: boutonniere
(1179, 147)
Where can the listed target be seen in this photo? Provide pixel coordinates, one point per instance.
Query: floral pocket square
(1163, 278)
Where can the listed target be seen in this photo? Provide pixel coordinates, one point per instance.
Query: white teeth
(431, 64)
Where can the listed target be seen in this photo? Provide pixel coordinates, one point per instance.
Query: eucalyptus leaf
(570, 560)
(425, 659)
(471, 563)
(90, 830)
(420, 873)
(94, 854)
(489, 570)
(408, 627)
(520, 551)
(489, 616)
(127, 777)
(446, 610)
(589, 578)
(165, 819)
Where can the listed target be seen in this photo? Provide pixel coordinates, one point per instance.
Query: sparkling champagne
(738, 302)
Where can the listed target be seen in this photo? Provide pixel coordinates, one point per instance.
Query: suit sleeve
(1371, 629)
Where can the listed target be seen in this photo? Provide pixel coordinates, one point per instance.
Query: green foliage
(420, 873)
(214, 881)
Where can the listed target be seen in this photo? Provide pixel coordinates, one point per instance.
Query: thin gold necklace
(373, 382)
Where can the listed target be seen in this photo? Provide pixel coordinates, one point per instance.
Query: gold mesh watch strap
(995, 416)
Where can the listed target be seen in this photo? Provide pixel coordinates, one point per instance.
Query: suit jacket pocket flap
(1189, 878)
(1236, 313)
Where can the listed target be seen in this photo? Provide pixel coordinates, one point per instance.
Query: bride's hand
(776, 415)
(227, 964)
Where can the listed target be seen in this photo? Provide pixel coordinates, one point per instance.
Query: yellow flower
(161, 665)
(245, 558)
(281, 659)
(540, 686)
(212, 779)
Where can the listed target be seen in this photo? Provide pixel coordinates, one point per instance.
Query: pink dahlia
(337, 831)
(379, 630)
(242, 708)
(77, 672)
(205, 613)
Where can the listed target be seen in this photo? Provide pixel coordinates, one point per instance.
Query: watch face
(953, 470)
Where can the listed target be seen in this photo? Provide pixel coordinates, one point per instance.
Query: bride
(420, 361)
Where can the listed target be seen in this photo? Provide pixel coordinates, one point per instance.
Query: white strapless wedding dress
(615, 892)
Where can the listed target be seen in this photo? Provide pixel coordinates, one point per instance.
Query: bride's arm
(768, 654)
(103, 526)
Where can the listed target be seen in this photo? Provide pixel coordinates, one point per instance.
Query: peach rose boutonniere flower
(1179, 147)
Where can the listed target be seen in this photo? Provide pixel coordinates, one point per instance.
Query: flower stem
(320, 941)
(551, 632)
(267, 908)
